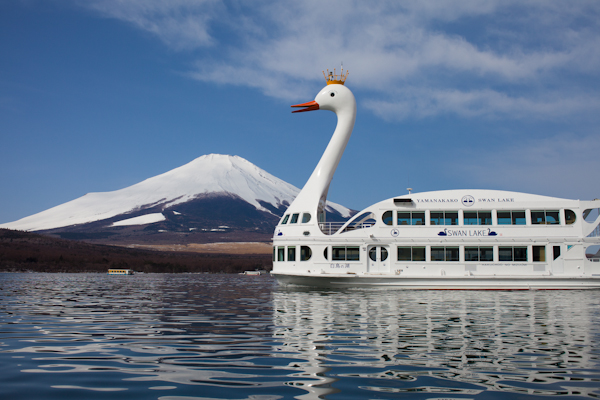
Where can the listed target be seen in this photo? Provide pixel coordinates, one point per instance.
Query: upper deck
(468, 213)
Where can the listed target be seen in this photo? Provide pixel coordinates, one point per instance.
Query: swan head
(334, 98)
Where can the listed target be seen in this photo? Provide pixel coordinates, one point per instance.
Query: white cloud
(418, 102)
(467, 58)
(181, 24)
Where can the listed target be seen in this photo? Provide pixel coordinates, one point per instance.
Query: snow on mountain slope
(213, 173)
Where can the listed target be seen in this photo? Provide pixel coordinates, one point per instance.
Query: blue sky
(97, 95)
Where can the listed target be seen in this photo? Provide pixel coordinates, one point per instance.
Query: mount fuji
(212, 192)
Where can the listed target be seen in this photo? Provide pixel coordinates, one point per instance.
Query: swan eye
(332, 94)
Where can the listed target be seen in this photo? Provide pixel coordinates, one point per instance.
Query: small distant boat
(120, 272)
(255, 272)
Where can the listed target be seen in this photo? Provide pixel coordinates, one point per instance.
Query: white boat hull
(441, 283)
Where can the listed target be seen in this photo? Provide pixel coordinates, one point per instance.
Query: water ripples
(190, 337)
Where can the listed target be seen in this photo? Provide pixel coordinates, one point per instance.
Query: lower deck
(507, 264)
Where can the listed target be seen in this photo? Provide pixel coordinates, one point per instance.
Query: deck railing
(329, 228)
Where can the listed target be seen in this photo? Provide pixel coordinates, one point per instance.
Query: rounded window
(305, 253)
(305, 218)
(387, 218)
(384, 254)
(325, 254)
(570, 217)
(373, 253)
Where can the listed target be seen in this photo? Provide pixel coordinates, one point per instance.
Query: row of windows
(418, 253)
(294, 218)
(504, 217)
(475, 253)
(338, 253)
(279, 253)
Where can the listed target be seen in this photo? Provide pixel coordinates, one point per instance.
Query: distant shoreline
(31, 252)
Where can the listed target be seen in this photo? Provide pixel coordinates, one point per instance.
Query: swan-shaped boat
(452, 239)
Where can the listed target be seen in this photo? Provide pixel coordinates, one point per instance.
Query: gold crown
(333, 79)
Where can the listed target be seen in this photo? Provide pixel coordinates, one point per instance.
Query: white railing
(329, 228)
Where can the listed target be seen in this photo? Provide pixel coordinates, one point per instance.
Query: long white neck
(312, 198)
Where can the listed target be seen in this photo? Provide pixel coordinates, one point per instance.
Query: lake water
(184, 337)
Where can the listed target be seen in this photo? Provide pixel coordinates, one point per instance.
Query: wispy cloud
(468, 58)
(181, 24)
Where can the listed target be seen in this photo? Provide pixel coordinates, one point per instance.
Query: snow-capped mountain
(210, 187)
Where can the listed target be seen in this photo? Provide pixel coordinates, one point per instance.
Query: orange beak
(310, 106)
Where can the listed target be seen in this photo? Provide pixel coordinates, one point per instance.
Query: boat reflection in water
(200, 337)
(441, 343)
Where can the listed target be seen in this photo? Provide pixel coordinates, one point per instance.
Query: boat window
(305, 253)
(518, 218)
(285, 219)
(408, 253)
(556, 252)
(437, 254)
(443, 218)
(570, 217)
(452, 254)
(305, 218)
(505, 254)
(325, 253)
(477, 217)
(274, 253)
(544, 217)
(352, 253)
(471, 253)
(387, 218)
(511, 217)
(538, 218)
(520, 253)
(486, 254)
(373, 253)
(504, 218)
(418, 253)
(403, 218)
(552, 218)
(411, 218)
(291, 253)
(436, 218)
(281, 253)
(404, 254)
(345, 253)
(539, 253)
(592, 253)
(294, 218)
(509, 253)
(384, 254)
(444, 254)
(418, 218)
(475, 253)
(591, 214)
(338, 253)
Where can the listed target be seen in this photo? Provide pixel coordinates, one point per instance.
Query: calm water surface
(184, 337)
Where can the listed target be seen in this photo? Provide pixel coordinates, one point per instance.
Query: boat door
(558, 264)
(379, 259)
